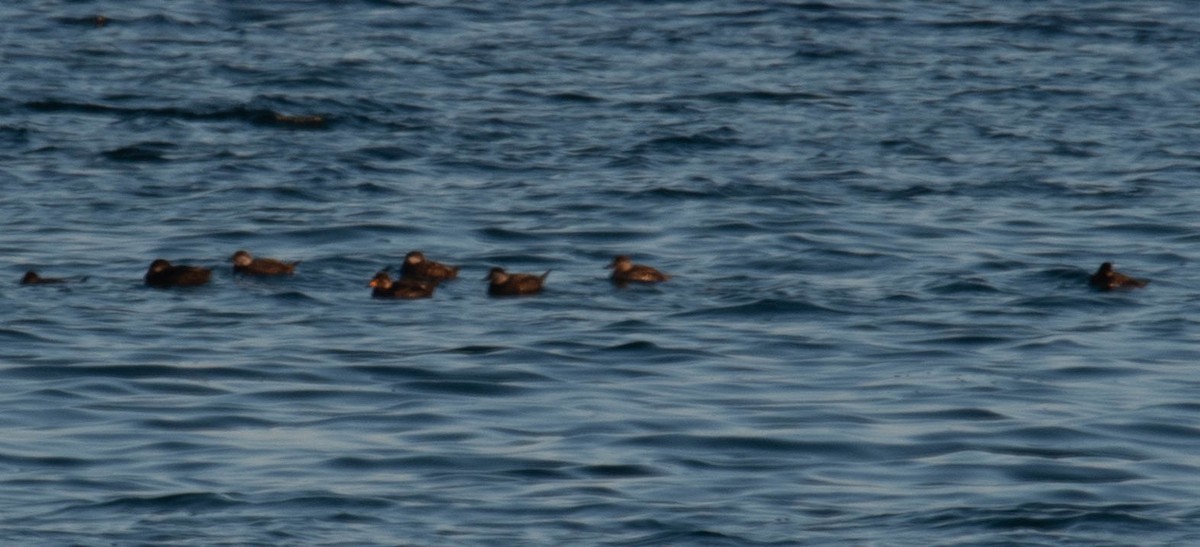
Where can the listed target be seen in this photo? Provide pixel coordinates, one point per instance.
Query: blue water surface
(880, 218)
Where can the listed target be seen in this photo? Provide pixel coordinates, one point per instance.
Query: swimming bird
(385, 287)
(625, 272)
(244, 263)
(416, 266)
(163, 274)
(1106, 278)
(32, 278)
(506, 284)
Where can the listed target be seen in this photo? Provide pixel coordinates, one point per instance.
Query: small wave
(953, 415)
(242, 113)
(504, 234)
(575, 97)
(629, 325)
(722, 137)
(95, 21)
(1061, 473)
(131, 372)
(466, 388)
(649, 352)
(769, 307)
(1046, 517)
(613, 471)
(476, 350)
(1089, 372)
(14, 136)
(539, 474)
(1154, 229)
(210, 423)
(636, 345)
(351, 232)
(816, 52)
(336, 501)
(141, 152)
(684, 537)
(468, 463)
(1175, 408)
(1161, 432)
(733, 97)
(969, 285)
(394, 373)
(670, 193)
(968, 339)
(388, 153)
(16, 336)
(292, 295)
(1053, 344)
(62, 462)
(188, 501)
(276, 194)
(738, 444)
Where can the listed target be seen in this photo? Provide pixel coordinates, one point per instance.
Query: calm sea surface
(880, 215)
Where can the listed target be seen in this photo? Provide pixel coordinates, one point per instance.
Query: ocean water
(880, 218)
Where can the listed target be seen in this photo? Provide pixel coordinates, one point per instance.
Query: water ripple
(880, 218)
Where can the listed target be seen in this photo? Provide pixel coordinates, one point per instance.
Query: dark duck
(244, 263)
(164, 274)
(1107, 279)
(416, 266)
(506, 284)
(626, 272)
(383, 286)
(32, 278)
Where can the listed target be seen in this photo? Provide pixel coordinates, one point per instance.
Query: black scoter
(32, 278)
(385, 287)
(625, 272)
(416, 266)
(163, 274)
(506, 284)
(244, 263)
(1106, 278)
